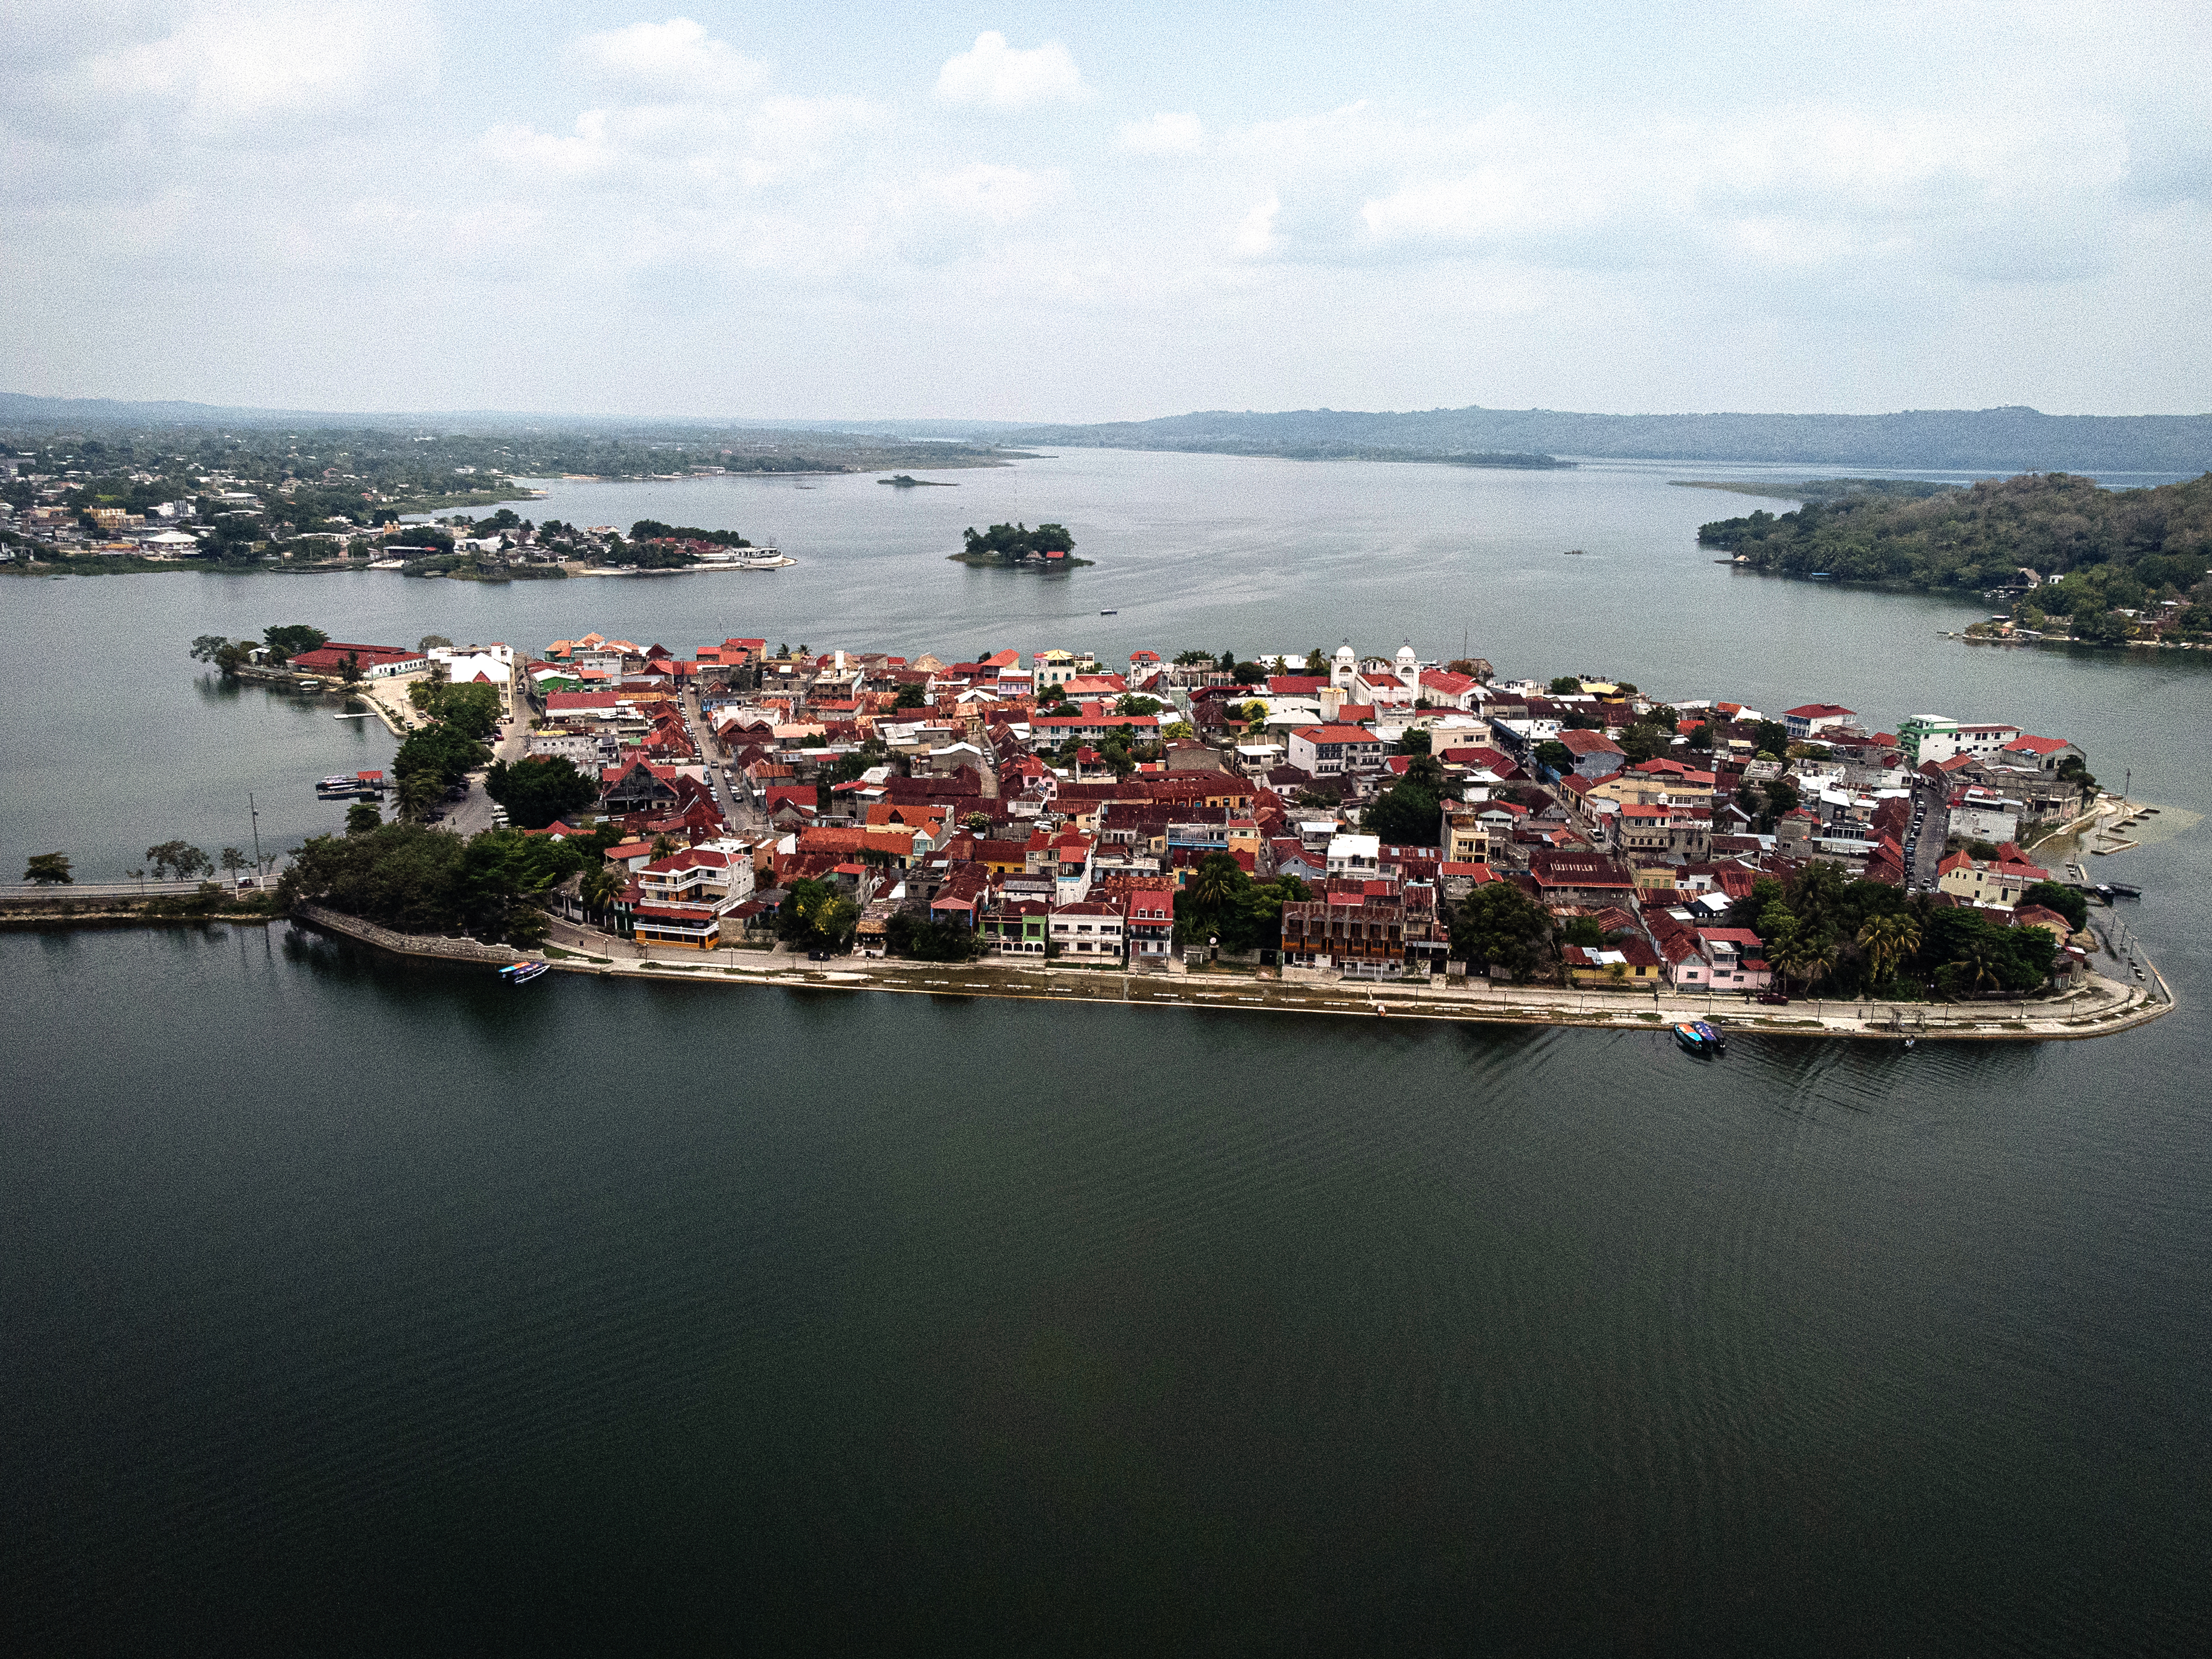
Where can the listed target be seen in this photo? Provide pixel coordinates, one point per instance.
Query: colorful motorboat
(521, 972)
(1712, 1034)
(1693, 1040)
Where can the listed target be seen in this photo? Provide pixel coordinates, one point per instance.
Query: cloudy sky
(1102, 212)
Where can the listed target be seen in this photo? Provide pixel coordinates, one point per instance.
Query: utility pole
(254, 812)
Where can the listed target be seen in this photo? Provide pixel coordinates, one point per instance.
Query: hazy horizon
(716, 213)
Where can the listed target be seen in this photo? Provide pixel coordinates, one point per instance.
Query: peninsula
(100, 498)
(2070, 558)
(1323, 829)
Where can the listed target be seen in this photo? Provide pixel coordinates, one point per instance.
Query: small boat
(1712, 1034)
(1692, 1040)
(1109, 613)
(521, 972)
(1909, 1042)
(1574, 553)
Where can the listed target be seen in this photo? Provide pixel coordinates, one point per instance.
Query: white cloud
(1800, 189)
(1000, 195)
(671, 60)
(230, 65)
(1165, 134)
(688, 147)
(1255, 237)
(992, 73)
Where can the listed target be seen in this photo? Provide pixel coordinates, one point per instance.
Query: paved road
(1924, 847)
(102, 889)
(2108, 1004)
(472, 815)
(735, 803)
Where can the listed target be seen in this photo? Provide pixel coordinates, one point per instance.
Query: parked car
(1770, 995)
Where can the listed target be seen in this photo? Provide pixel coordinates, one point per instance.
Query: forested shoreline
(2117, 564)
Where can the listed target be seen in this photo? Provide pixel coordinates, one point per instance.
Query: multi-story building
(1464, 837)
(1323, 751)
(1378, 929)
(1087, 931)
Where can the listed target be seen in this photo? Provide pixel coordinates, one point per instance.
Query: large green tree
(1500, 925)
(287, 641)
(418, 880)
(1408, 813)
(539, 789)
(815, 916)
(180, 860)
(2074, 906)
(1221, 901)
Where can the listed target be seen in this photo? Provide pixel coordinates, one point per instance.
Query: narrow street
(731, 797)
(1924, 845)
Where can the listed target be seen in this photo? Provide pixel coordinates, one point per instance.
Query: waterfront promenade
(2109, 1002)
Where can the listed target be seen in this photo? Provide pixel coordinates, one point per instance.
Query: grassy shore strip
(2064, 1022)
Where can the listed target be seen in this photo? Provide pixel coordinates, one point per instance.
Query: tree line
(2107, 550)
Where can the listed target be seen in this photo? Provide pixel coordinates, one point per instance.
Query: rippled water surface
(357, 1304)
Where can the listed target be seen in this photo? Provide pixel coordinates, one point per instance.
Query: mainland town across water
(357, 1303)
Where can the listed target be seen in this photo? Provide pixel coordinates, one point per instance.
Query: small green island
(908, 481)
(1050, 547)
(2078, 562)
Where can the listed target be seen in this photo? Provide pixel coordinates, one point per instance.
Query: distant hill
(1968, 441)
(1994, 440)
(23, 413)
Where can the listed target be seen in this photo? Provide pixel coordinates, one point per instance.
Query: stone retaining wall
(406, 945)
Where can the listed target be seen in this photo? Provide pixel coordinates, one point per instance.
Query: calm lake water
(353, 1304)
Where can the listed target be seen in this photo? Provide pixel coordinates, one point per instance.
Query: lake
(360, 1304)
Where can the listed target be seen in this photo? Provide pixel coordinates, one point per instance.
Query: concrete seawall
(2106, 1009)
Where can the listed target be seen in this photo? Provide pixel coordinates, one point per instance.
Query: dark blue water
(366, 1306)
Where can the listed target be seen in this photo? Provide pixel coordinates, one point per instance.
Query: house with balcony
(1329, 750)
(1087, 931)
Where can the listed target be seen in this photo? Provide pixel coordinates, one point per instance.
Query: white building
(466, 664)
(1086, 931)
(1355, 856)
(1323, 751)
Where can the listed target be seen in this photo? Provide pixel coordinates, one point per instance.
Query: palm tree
(1785, 956)
(1214, 882)
(1820, 889)
(1975, 955)
(419, 792)
(1889, 940)
(1815, 956)
(600, 887)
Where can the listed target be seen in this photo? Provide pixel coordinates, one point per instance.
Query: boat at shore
(1691, 1035)
(521, 972)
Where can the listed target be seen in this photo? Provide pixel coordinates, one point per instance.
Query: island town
(1325, 830)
